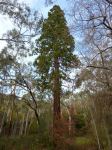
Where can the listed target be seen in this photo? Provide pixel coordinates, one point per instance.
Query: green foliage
(83, 140)
(80, 121)
(55, 43)
(85, 143)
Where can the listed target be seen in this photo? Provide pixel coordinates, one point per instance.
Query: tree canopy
(55, 43)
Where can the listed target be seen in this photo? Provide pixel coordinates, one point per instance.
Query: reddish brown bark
(56, 105)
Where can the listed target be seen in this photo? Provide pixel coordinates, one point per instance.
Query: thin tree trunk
(37, 116)
(94, 125)
(26, 122)
(15, 128)
(2, 122)
(107, 135)
(10, 122)
(22, 126)
(69, 122)
(96, 132)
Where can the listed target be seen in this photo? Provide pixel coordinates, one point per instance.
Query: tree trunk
(56, 105)
(37, 117)
(22, 126)
(71, 113)
(15, 128)
(2, 122)
(26, 123)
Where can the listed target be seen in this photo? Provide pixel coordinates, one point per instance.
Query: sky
(5, 23)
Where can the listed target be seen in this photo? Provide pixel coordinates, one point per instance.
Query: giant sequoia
(55, 58)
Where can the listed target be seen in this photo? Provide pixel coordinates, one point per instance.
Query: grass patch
(20, 143)
(85, 143)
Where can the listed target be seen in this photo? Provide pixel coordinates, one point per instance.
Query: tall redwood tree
(55, 58)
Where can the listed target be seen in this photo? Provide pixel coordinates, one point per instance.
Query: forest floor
(20, 143)
(32, 143)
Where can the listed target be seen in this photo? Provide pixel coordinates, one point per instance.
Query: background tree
(96, 28)
(94, 23)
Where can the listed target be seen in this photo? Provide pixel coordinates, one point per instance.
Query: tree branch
(99, 67)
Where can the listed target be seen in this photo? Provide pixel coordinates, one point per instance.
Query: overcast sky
(5, 23)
